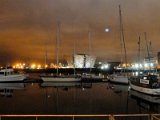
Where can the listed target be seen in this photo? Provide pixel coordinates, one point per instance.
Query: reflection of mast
(122, 39)
(57, 100)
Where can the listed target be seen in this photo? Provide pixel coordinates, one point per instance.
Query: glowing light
(39, 67)
(106, 29)
(33, 66)
(105, 66)
(46, 66)
(145, 65)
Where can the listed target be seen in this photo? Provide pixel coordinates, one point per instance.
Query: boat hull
(12, 78)
(60, 79)
(150, 91)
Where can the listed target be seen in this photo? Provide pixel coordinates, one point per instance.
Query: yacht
(9, 75)
(148, 83)
(119, 78)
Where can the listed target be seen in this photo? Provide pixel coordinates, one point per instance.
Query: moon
(106, 29)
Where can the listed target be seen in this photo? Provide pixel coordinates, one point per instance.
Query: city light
(104, 66)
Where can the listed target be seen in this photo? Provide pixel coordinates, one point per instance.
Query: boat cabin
(6, 72)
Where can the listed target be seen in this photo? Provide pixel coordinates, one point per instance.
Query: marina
(79, 60)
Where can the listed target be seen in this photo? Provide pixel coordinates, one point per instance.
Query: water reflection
(66, 85)
(148, 102)
(118, 88)
(6, 89)
(72, 98)
(63, 97)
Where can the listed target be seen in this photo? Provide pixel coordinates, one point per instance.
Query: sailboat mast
(139, 54)
(139, 47)
(122, 38)
(46, 55)
(57, 46)
(147, 46)
(74, 53)
(89, 38)
(149, 57)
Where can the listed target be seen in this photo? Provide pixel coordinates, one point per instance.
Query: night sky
(28, 28)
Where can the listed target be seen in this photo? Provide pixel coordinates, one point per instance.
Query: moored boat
(8, 75)
(148, 84)
(119, 78)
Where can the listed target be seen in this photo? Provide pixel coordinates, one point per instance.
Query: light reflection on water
(74, 98)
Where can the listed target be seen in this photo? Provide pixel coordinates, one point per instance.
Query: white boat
(8, 75)
(119, 78)
(60, 78)
(148, 84)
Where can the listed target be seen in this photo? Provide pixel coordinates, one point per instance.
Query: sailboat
(146, 83)
(58, 77)
(121, 77)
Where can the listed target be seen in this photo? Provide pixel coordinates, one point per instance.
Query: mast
(139, 47)
(89, 43)
(57, 46)
(46, 55)
(74, 53)
(148, 52)
(122, 38)
(139, 54)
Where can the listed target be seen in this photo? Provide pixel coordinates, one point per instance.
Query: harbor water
(74, 98)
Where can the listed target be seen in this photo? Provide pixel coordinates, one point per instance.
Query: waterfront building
(83, 61)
